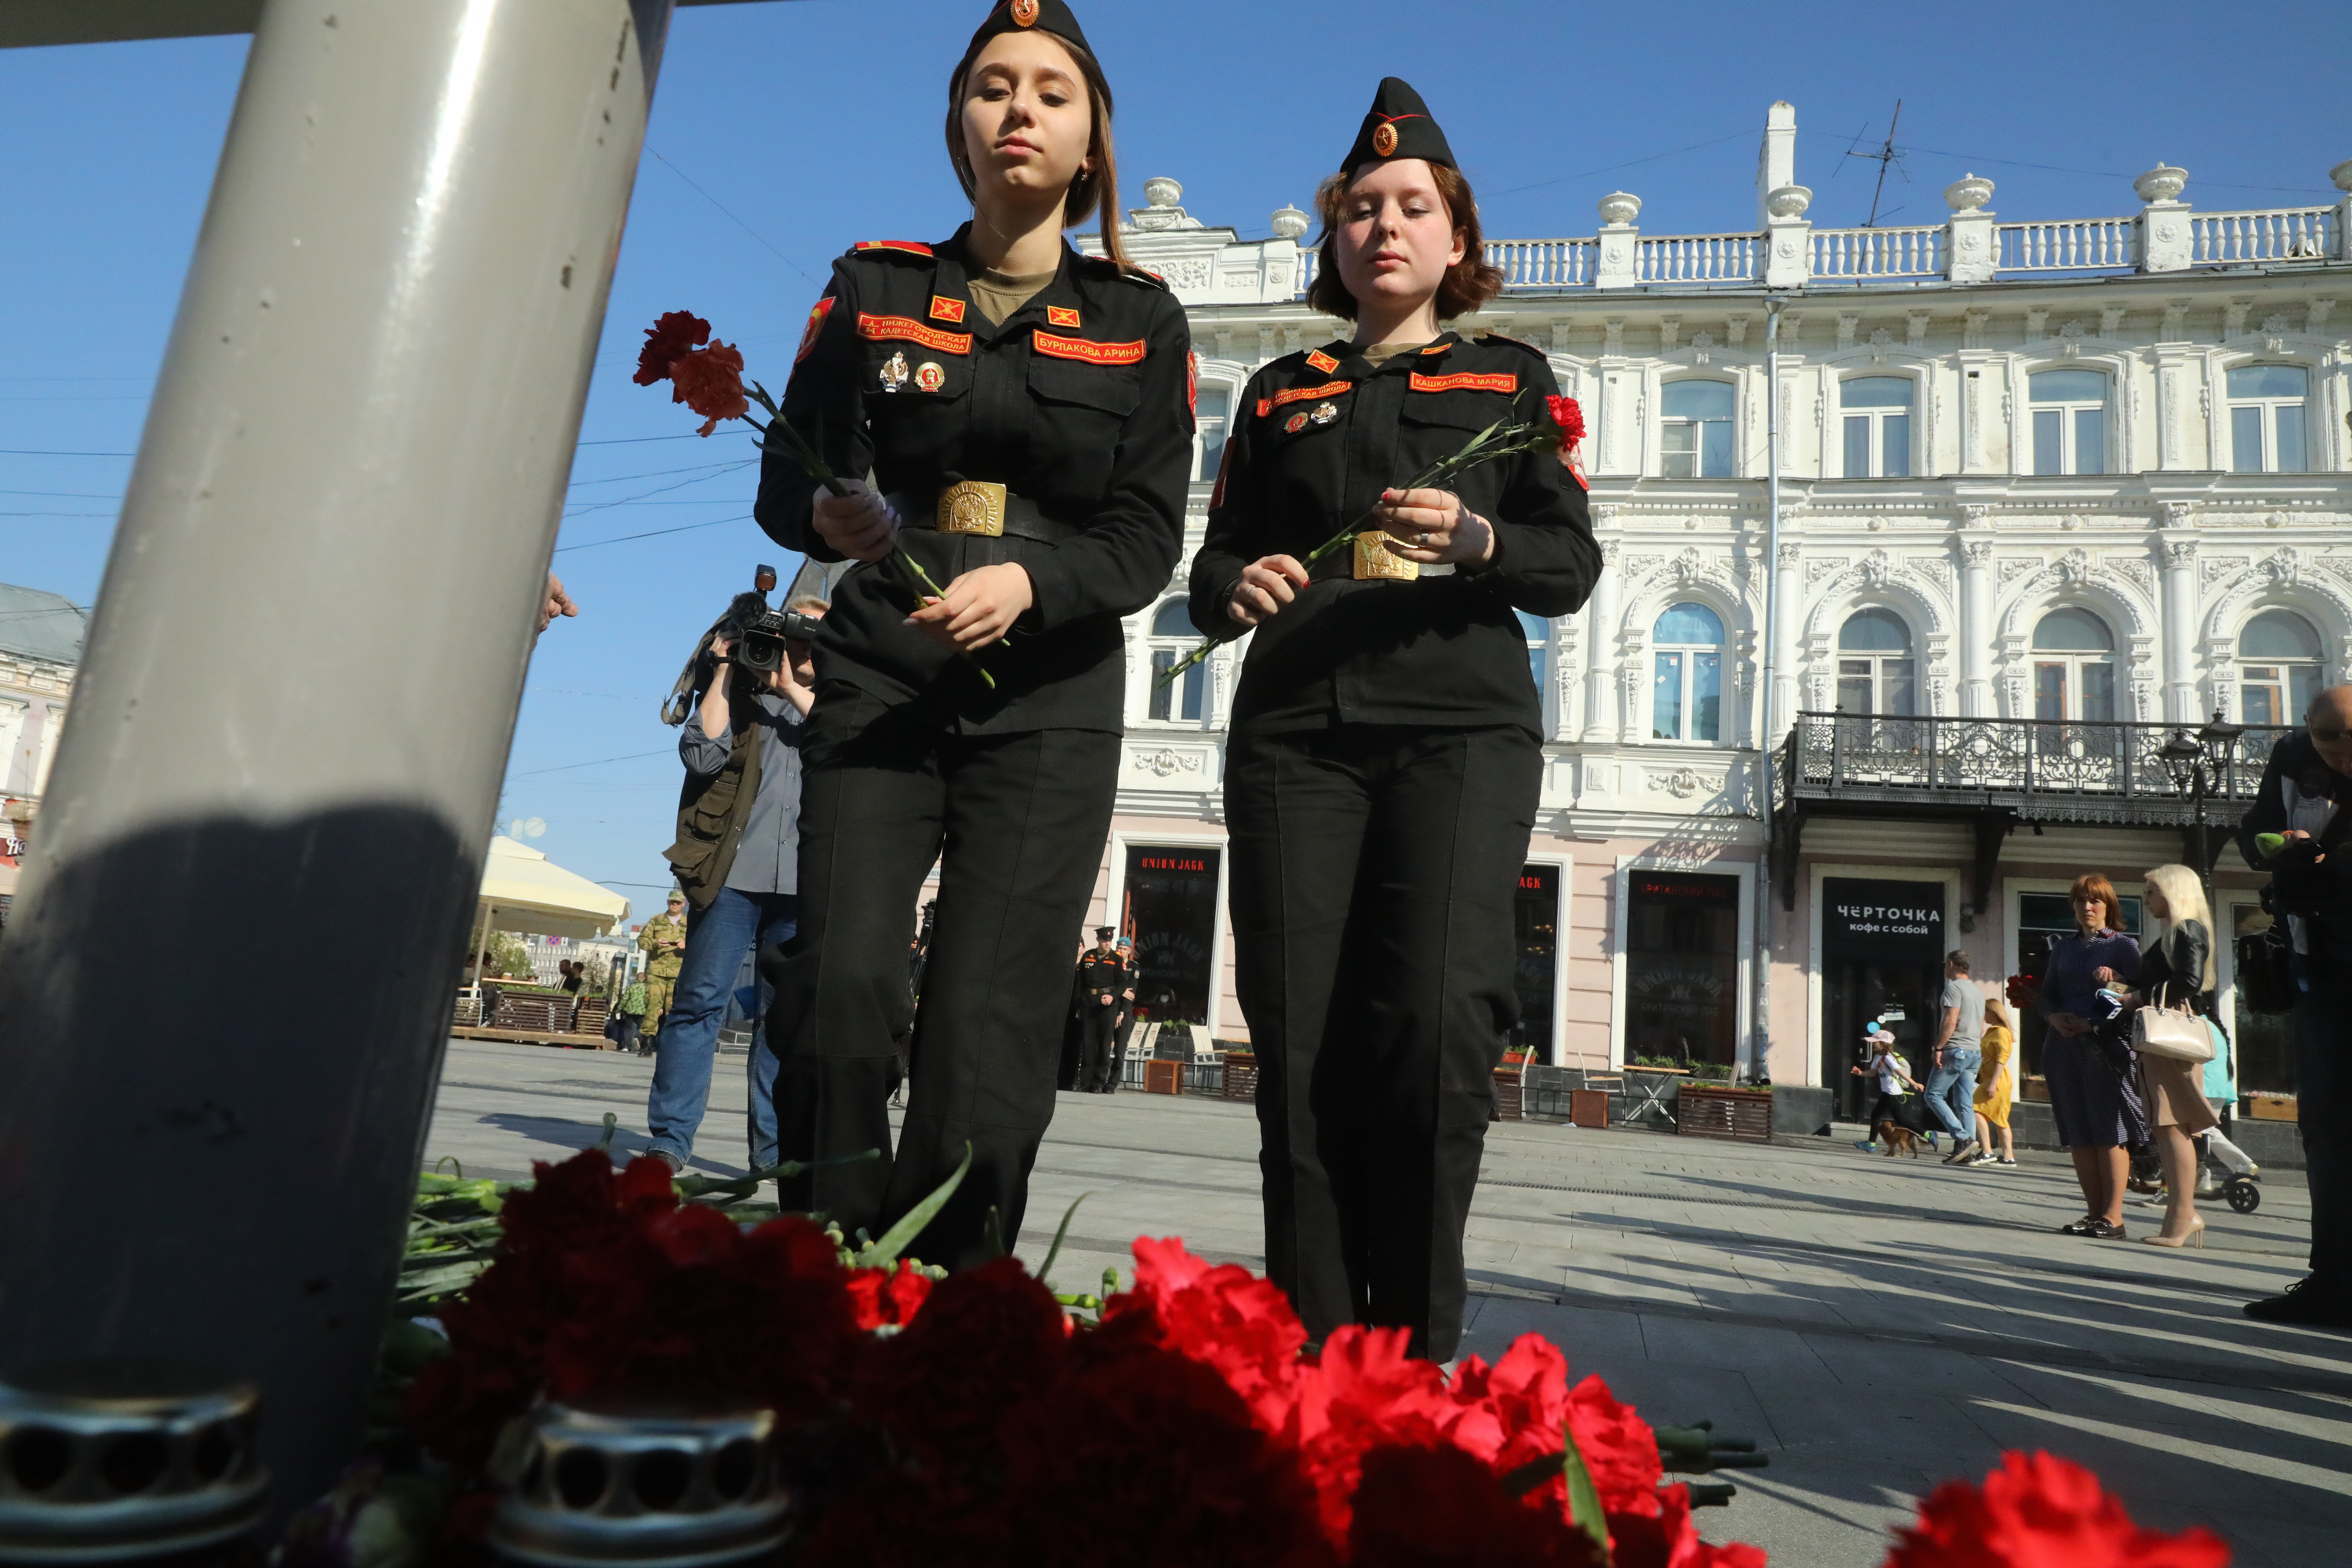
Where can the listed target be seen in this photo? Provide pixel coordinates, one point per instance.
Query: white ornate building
(2046, 490)
(40, 645)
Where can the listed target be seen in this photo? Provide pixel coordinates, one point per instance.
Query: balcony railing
(1877, 253)
(2285, 234)
(2045, 770)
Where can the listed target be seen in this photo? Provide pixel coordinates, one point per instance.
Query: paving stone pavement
(1877, 1325)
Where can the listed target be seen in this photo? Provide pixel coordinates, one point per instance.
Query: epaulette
(903, 247)
(1513, 344)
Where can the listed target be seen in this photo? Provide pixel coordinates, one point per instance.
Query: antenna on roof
(1885, 154)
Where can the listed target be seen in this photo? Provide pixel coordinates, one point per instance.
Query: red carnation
(710, 382)
(2039, 1510)
(666, 340)
(1439, 1507)
(1567, 416)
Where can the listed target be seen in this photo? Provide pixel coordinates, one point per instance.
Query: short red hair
(2097, 886)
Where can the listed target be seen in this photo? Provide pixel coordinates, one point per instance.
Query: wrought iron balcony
(2039, 770)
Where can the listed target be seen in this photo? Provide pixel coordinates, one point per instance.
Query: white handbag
(2175, 1034)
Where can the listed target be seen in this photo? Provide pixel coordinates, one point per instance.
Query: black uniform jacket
(1097, 972)
(1445, 649)
(1081, 403)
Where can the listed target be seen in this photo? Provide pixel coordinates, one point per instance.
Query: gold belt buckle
(1376, 562)
(972, 506)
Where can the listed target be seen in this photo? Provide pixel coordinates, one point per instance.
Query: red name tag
(1086, 349)
(883, 328)
(1466, 381)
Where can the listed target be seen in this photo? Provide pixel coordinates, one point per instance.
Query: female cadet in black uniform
(1381, 776)
(1024, 414)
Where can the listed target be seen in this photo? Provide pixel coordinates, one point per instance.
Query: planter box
(1705, 1111)
(1801, 1109)
(1240, 1075)
(1163, 1076)
(2036, 1090)
(1587, 1106)
(1506, 1095)
(2268, 1107)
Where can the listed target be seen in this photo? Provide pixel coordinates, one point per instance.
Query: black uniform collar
(951, 279)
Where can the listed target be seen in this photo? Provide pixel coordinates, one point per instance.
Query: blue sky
(782, 132)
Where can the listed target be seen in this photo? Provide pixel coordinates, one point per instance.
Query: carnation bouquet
(1560, 428)
(709, 380)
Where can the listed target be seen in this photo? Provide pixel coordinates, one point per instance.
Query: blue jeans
(717, 938)
(1952, 1091)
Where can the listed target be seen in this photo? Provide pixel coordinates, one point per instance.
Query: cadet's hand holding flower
(978, 608)
(859, 524)
(1434, 528)
(1265, 587)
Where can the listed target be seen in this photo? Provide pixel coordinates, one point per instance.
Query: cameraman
(2304, 795)
(737, 860)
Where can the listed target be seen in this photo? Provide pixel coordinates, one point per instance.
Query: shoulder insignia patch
(947, 309)
(1438, 347)
(1322, 362)
(883, 328)
(1086, 349)
(818, 313)
(1061, 316)
(1467, 381)
(1303, 394)
(912, 247)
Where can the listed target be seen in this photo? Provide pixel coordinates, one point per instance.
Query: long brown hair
(1090, 193)
(2095, 886)
(1467, 284)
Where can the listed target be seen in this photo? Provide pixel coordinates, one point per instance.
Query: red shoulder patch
(1061, 316)
(1322, 362)
(1193, 382)
(818, 313)
(945, 310)
(912, 247)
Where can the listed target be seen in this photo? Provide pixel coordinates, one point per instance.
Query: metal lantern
(127, 1462)
(2219, 739)
(641, 1481)
(2181, 755)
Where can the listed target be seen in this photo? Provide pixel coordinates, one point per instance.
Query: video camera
(760, 647)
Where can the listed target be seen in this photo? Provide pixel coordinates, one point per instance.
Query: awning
(530, 894)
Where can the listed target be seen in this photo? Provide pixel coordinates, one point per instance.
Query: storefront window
(2262, 1044)
(1536, 919)
(1171, 912)
(1882, 966)
(1682, 968)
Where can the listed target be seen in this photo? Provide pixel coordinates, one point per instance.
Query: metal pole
(1761, 1034)
(299, 692)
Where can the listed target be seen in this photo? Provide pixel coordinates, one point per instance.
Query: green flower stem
(1497, 440)
(812, 462)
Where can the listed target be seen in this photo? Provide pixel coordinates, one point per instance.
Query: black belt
(978, 508)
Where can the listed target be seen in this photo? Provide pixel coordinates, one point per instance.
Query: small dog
(1898, 1138)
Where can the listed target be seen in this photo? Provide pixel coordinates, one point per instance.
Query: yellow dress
(1992, 1075)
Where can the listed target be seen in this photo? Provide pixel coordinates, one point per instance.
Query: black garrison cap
(1398, 125)
(1102, 933)
(1029, 15)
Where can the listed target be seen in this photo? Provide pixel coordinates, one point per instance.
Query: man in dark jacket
(2303, 796)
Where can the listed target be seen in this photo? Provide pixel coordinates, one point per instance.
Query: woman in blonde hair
(2176, 970)
(1991, 1102)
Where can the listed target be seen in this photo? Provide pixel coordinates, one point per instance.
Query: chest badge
(1061, 316)
(1322, 362)
(929, 377)
(1296, 423)
(894, 372)
(1324, 413)
(1375, 562)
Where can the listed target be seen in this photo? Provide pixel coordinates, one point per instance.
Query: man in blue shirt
(738, 858)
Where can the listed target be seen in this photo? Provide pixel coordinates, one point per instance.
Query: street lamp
(2197, 765)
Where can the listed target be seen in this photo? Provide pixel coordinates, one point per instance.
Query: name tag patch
(1086, 349)
(1266, 406)
(1467, 381)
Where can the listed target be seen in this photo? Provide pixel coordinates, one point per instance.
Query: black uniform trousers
(1373, 878)
(1018, 823)
(2323, 1103)
(1096, 1062)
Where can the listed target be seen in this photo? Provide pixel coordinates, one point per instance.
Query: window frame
(2070, 664)
(1839, 654)
(1878, 418)
(1686, 679)
(2069, 411)
(2280, 670)
(1205, 472)
(2270, 412)
(1697, 453)
(1193, 687)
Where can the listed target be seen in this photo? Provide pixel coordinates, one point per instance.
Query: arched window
(2070, 421)
(1877, 672)
(1877, 426)
(1694, 442)
(2279, 668)
(1211, 415)
(1538, 631)
(1172, 637)
(2266, 403)
(1687, 683)
(2073, 667)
